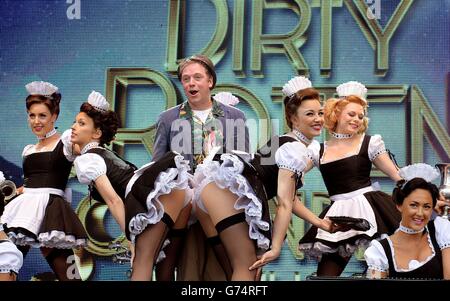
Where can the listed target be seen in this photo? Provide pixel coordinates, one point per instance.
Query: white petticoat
(228, 175)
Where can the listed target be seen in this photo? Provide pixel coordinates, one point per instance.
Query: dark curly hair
(107, 122)
(402, 190)
(52, 102)
(292, 103)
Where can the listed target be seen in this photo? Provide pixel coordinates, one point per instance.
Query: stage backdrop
(128, 49)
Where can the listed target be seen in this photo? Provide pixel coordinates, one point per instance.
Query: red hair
(334, 107)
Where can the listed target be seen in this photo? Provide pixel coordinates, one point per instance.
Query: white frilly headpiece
(296, 84)
(226, 98)
(98, 101)
(352, 88)
(41, 88)
(2, 177)
(419, 170)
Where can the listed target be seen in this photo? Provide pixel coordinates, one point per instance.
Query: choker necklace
(409, 230)
(341, 136)
(89, 146)
(48, 135)
(301, 137)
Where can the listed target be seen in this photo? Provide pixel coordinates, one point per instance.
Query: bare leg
(8, 276)
(240, 248)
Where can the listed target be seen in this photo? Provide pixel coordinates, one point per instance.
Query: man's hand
(440, 204)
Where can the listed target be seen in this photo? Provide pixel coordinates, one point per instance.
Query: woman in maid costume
(11, 259)
(144, 201)
(420, 247)
(41, 216)
(345, 162)
(234, 188)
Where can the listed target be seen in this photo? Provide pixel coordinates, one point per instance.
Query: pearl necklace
(341, 136)
(89, 146)
(409, 230)
(301, 136)
(48, 135)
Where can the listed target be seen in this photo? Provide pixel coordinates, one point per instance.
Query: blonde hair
(202, 60)
(334, 107)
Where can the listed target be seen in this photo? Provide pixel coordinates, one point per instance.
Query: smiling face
(84, 131)
(197, 84)
(351, 119)
(309, 118)
(40, 119)
(416, 209)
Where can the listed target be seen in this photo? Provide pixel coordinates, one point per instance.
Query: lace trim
(172, 178)
(48, 135)
(7, 269)
(53, 239)
(300, 136)
(313, 160)
(60, 240)
(290, 168)
(341, 136)
(407, 230)
(88, 146)
(228, 175)
(379, 152)
(358, 150)
(420, 263)
(98, 174)
(376, 268)
(445, 246)
(316, 249)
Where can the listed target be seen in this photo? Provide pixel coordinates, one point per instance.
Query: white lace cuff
(376, 147)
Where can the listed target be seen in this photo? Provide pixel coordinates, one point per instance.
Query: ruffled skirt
(230, 172)
(142, 204)
(374, 206)
(38, 218)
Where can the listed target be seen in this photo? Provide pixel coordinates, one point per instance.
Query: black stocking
(240, 248)
(24, 250)
(147, 247)
(332, 264)
(221, 255)
(165, 269)
(63, 265)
